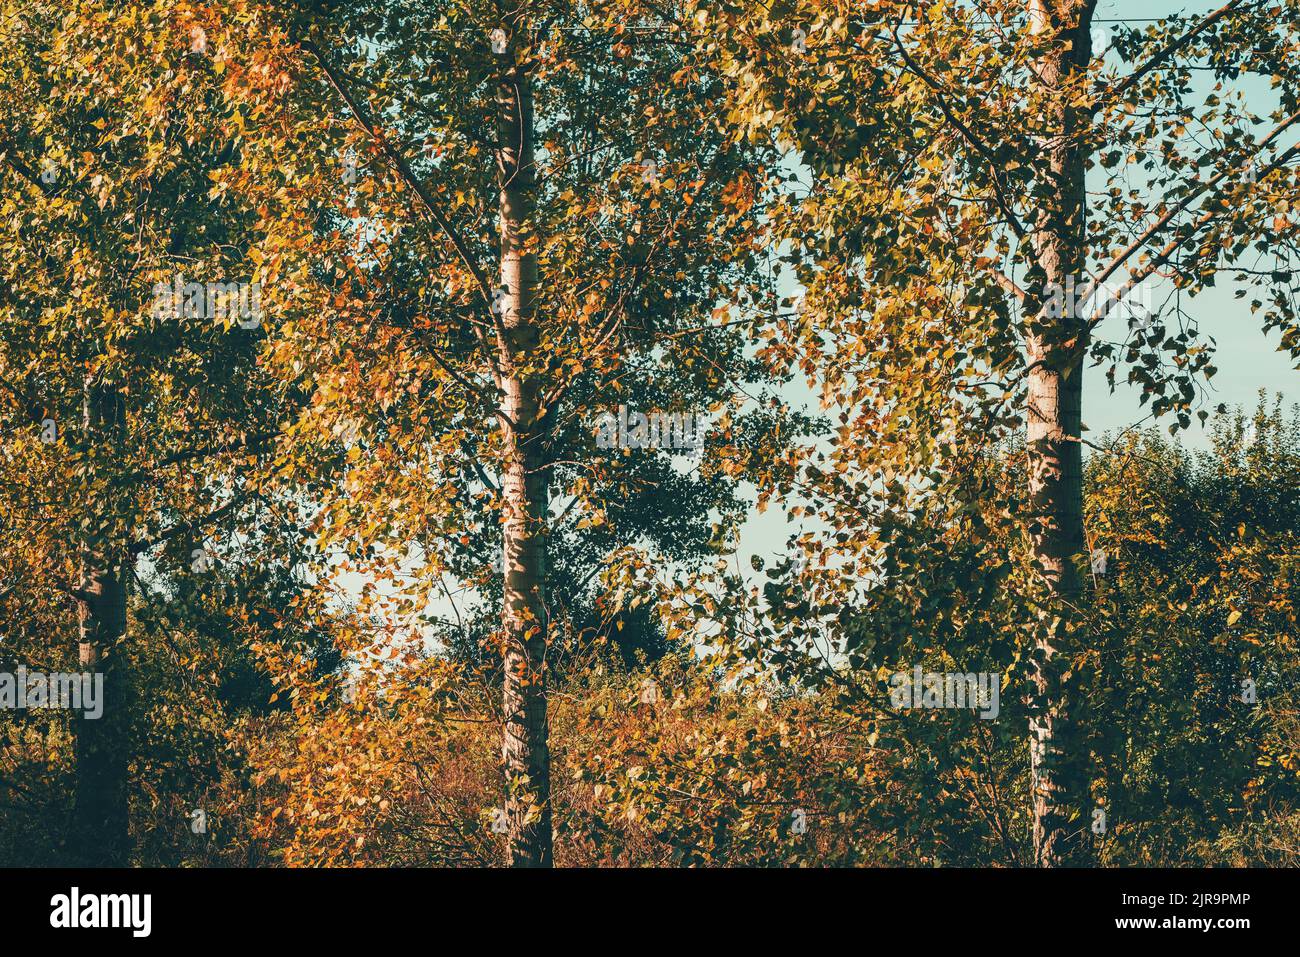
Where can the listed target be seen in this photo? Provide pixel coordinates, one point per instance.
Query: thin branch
(1167, 253)
(367, 123)
(967, 134)
(1163, 54)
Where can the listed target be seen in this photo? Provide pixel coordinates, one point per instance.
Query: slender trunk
(1056, 348)
(1056, 498)
(101, 832)
(524, 613)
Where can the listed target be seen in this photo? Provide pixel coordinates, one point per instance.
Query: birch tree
(1000, 194)
(500, 224)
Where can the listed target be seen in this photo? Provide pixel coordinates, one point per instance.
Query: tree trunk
(1056, 350)
(102, 835)
(524, 613)
(1056, 500)
(101, 828)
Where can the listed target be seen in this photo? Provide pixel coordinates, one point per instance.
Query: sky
(1247, 359)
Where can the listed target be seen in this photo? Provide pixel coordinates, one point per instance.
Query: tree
(992, 193)
(478, 258)
(131, 417)
(1195, 622)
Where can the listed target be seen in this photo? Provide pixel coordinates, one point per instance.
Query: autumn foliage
(343, 353)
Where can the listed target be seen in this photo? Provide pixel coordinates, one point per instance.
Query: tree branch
(967, 134)
(367, 123)
(1167, 252)
(1163, 54)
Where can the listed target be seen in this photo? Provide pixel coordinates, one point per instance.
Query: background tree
(129, 431)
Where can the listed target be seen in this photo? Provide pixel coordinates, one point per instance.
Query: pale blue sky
(1247, 359)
